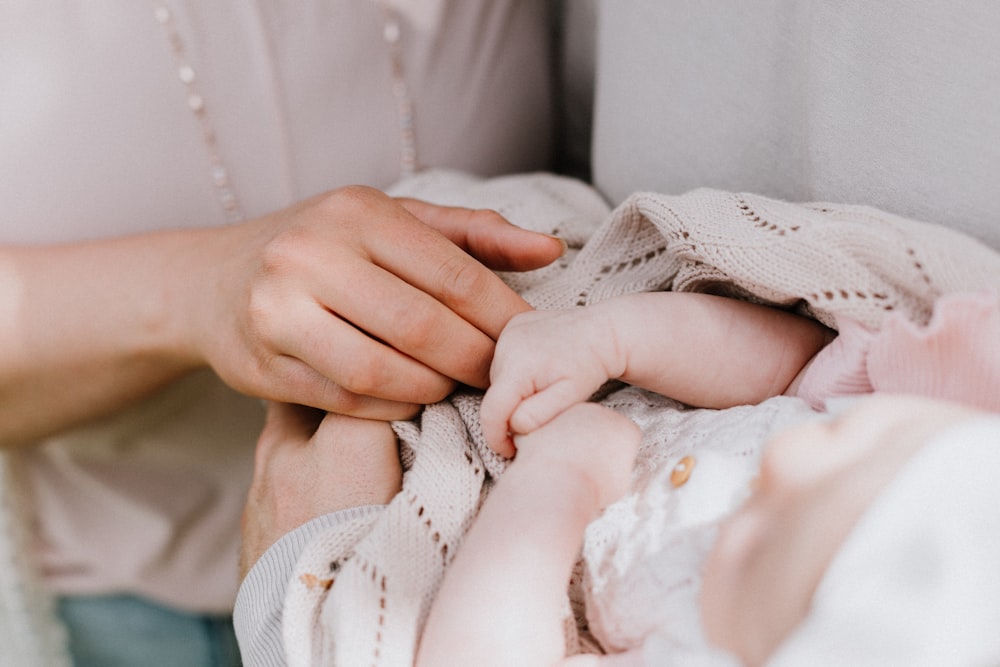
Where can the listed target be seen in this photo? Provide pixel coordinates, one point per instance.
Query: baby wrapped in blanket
(828, 264)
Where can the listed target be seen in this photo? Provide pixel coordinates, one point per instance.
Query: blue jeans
(126, 631)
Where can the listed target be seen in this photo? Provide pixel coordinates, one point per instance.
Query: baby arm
(703, 350)
(501, 602)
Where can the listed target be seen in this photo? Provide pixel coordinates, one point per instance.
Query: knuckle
(259, 325)
(462, 281)
(340, 400)
(273, 373)
(436, 392)
(357, 193)
(349, 199)
(525, 419)
(280, 254)
(485, 217)
(416, 325)
(361, 377)
(258, 304)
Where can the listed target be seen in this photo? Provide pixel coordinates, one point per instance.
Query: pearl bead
(391, 33)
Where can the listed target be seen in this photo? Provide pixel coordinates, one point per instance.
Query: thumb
(488, 236)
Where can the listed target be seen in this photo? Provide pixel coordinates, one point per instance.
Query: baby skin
(815, 482)
(703, 350)
(574, 458)
(501, 601)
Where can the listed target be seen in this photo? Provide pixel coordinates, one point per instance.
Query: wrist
(546, 476)
(609, 326)
(201, 268)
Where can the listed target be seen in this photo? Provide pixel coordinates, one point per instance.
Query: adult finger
(301, 383)
(383, 232)
(427, 333)
(430, 262)
(488, 236)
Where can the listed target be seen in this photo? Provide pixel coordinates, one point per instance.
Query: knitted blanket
(360, 593)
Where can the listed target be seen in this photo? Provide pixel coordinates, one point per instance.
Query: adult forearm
(281, 307)
(89, 328)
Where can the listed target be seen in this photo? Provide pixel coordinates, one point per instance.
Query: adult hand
(307, 465)
(351, 302)
(545, 362)
(361, 304)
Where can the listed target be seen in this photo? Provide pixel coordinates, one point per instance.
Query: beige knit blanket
(360, 593)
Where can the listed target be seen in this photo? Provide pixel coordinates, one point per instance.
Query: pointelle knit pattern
(359, 596)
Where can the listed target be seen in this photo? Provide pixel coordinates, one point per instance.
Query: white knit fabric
(821, 260)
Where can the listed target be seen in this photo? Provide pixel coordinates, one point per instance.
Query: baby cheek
(739, 540)
(799, 458)
(722, 578)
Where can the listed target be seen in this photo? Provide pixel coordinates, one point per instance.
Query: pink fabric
(840, 369)
(955, 357)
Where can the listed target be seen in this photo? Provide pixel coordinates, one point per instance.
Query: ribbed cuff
(261, 597)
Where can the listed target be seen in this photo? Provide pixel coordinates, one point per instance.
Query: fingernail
(562, 242)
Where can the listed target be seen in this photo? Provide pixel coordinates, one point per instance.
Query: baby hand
(545, 362)
(587, 442)
(519, 552)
